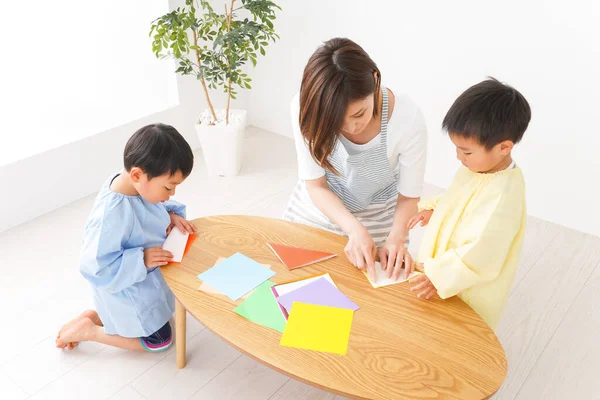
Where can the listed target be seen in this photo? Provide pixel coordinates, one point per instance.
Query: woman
(361, 157)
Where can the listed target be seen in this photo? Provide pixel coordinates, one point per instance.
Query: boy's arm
(104, 261)
(429, 203)
(176, 207)
(493, 225)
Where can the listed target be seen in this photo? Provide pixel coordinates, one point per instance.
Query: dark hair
(490, 112)
(338, 72)
(158, 149)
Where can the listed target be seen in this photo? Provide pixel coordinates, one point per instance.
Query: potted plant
(214, 48)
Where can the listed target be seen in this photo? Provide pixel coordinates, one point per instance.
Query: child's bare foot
(91, 314)
(81, 331)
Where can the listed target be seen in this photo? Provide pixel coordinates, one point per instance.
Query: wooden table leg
(180, 332)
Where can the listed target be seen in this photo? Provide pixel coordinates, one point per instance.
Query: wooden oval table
(400, 347)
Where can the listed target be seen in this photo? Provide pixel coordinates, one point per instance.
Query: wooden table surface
(400, 347)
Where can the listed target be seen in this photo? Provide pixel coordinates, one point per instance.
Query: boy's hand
(424, 287)
(423, 217)
(183, 224)
(156, 257)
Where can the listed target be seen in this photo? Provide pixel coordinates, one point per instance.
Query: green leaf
(223, 54)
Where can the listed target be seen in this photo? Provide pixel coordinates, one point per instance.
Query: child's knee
(160, 340)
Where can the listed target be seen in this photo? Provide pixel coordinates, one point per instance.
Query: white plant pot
(222, 145)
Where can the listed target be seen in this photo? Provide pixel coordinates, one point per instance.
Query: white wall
(71, 93)
(44, 182)
(433, 50)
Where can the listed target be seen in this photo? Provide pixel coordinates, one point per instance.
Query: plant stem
(210, 106)
(229, 15)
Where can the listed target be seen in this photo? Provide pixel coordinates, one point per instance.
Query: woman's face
(358, 115)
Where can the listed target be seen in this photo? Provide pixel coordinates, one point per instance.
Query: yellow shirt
(473, 241)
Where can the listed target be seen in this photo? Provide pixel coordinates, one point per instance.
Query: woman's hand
(361, 251)
(393, 257)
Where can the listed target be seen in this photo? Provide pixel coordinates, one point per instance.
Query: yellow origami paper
(320, 328)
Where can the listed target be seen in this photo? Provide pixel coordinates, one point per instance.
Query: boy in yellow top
(473, 242)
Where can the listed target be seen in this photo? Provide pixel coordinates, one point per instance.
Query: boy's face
(477, 158)
(157, 189)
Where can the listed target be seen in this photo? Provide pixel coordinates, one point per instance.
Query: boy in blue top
(121, 251)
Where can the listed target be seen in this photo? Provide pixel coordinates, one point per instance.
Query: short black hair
(490, 112)
(158, 149)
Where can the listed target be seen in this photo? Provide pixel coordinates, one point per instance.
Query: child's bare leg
(85, 330)
(91, 314)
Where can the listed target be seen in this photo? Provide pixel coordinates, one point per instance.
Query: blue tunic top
(131, 300)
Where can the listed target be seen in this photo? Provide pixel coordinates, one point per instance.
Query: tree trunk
(229, 15)
(210, 106)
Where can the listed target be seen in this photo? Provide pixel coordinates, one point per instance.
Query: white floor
(549, 330)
